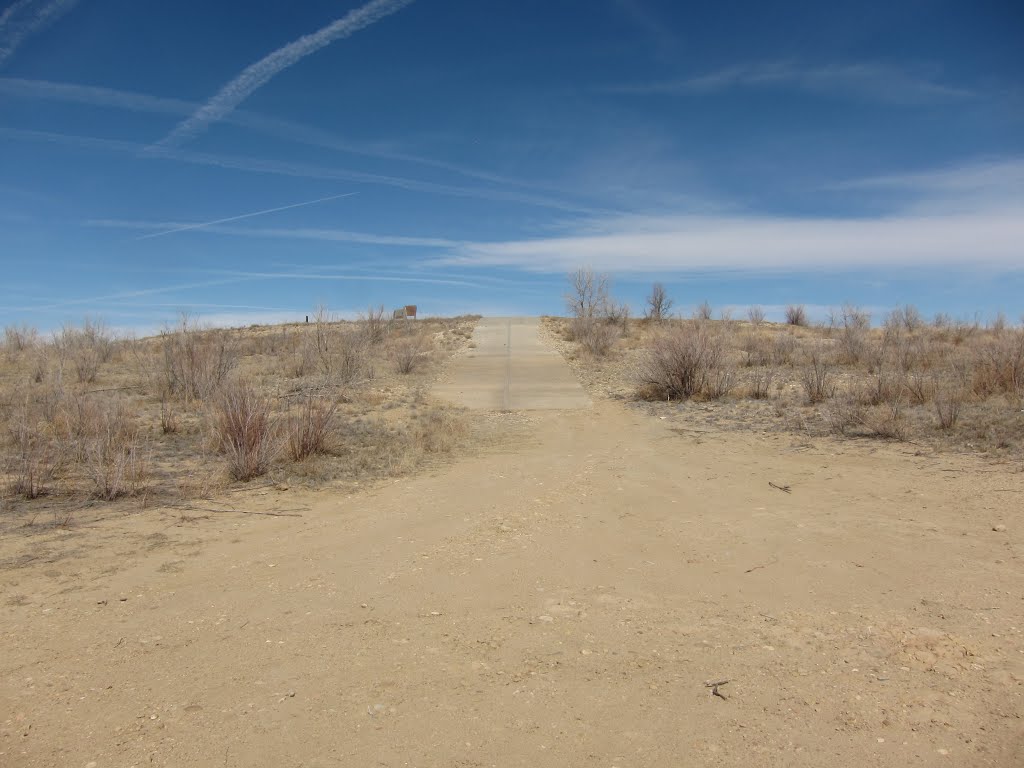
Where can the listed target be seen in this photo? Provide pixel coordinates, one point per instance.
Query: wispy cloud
(872, 81)
(283, 233)
(298, 170)
(257, 75)
(670, 244)
(204, 225)
(45, 304)
(383, 278)
(288, 130)
(25, 18)
(73, 93)
(1004, 176)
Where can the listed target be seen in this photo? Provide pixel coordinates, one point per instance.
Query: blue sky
(246, 162)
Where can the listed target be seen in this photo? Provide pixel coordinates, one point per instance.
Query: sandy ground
(559, 601)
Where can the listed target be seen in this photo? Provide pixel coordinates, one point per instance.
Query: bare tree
(588, 296)
(658, 304)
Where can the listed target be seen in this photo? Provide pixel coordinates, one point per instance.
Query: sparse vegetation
(659, 305)
(796, 314)
(597, 319)
(685, 362)
(950, 383)
(245, 431)
(86, 416)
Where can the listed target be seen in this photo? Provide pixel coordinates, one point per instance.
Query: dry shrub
(375, 325)
(887, 421)
(757, 348)
(617, 315)
(196, 362)
(309, 427)
(881, 388)
(439, 430)
(756, 316)
(658, 304)
(169, 422)
(115, 460)
(920, 388)
(703, 312)
(843, 414)
(595, 336)
(796, 314)
(351, 359)
(817, 379)
(855, 326)
(408, 353)
(245, 431)
(34, 457)
(784, 347)
(948, 404)
(999, 365)
(761, 383)
(686, 362)
(20, 338)
(85, 348)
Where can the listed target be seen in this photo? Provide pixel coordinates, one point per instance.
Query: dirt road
(510, 369)
(558, 602)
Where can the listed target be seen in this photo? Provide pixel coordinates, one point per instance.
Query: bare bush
(756, 316)
(376, 324)
(948, 405)
(309, 427)
(351, 357)
(618, 316)
(34, 458)
(843, 414)
(589, 294)
(783, 350)
(999, 365)
(196, 362)
(854, 329)
(20, 338)
(761, 383)
(169, 423)
(817, 379)
(703, 311)
(887, 421)
(757, 348)
(245, 431)
(796, 314)
(919, 388)
(879, 388)
(683, 363)
(409, 353)
(658, 304)
(720, 382)
(86, 348)
(596, 337)
(115, 460)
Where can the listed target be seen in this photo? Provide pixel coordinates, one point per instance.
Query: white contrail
(38, 16)
(243, 216)
(257, 75)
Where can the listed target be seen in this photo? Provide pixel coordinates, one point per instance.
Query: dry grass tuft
(409, 353)
(245, 431)
(309, 428)
(196, 362)
(817, 379)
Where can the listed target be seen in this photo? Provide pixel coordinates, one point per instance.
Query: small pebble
(999, 528)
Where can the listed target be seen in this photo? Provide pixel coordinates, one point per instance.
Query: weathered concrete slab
(510, 369)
